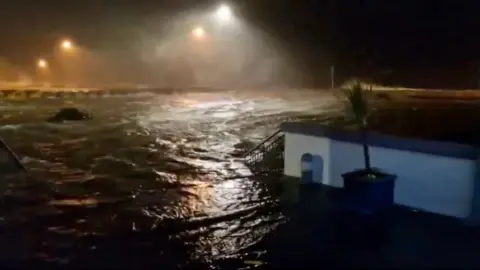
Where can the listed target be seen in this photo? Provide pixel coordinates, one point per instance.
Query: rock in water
(69, 114)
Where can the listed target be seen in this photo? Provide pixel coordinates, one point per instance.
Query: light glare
(198, 32)
(41, 63)
(67, 44)
(224, 13)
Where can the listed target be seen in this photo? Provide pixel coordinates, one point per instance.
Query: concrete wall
(296, 145)
(437, 184)
(439, 181)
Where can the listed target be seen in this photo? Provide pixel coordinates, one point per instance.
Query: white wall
(436, 184)
(296, 145)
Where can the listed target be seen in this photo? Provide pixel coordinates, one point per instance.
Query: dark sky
(424, 43)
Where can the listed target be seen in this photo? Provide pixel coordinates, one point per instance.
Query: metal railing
(268, 155)
(9, 161)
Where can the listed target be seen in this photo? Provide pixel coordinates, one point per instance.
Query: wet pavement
(320, 233)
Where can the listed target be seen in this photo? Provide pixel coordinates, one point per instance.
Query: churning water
(151, 180)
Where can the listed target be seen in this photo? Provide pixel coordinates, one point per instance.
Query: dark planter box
(368, 196)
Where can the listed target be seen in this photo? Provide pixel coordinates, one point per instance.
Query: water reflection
(229, 193)
(162, 163)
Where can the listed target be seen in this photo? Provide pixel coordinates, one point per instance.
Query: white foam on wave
(12, 126)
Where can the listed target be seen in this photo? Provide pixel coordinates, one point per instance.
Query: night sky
(418, 43)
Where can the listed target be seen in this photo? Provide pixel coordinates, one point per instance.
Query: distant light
(198, 32)
(42, 63)
(224, 13)
(67, 44)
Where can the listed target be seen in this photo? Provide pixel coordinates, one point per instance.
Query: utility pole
(478, 79)
(332, 77)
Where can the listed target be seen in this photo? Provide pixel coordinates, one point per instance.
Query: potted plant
(367, 190)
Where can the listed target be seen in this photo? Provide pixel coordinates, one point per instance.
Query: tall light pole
(69, 60)
(43, 71)
(332, 77)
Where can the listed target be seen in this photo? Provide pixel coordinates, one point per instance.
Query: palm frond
(356, 102)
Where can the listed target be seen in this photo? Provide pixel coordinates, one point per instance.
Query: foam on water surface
(160, 162)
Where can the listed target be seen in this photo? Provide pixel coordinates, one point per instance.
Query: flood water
(151, 180)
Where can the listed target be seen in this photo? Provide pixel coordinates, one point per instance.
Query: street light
(42, 64)
(198, 33)
(68, 58)
(224, 13)
(67, 44)
(43, 71)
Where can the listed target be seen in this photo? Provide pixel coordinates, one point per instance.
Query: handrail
(12, 157)
(262, 143)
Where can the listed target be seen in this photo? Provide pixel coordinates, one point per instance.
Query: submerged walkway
(319, 233)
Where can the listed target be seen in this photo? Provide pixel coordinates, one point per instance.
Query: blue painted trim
(474, 217)
(447, 149)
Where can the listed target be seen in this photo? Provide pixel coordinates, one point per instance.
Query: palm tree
(357, 106)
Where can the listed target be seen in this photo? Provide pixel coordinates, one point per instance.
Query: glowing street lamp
(224, 13)
(43, 70)
(198, 33)
(42, 64)
(67, 44)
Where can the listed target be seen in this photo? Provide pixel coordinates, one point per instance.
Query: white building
(438, 177)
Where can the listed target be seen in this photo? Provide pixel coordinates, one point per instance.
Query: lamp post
(68, 59)
(43, 71)
(332, 77)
